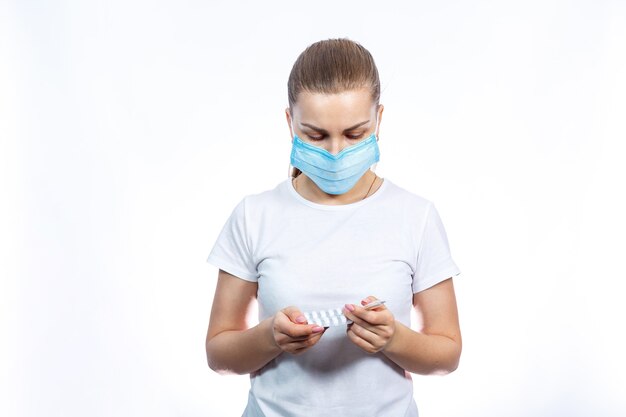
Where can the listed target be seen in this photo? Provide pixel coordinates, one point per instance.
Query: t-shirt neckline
(289, 184)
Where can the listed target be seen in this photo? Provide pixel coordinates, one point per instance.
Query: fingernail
(318, 329)
(300, 319)
(350, 307)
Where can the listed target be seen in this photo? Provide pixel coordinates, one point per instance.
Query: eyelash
(351, 137)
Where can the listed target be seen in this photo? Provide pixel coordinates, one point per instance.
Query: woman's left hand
(371, 330)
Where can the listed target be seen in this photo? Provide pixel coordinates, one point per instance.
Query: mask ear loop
(293, 132)
(291, 168)
(373, 167)
(377, 126)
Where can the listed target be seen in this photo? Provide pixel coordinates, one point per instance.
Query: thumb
(368, 300)
(295, 315)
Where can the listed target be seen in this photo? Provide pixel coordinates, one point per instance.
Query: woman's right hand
(292, 333)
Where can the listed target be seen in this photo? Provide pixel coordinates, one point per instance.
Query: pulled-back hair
(333, 66)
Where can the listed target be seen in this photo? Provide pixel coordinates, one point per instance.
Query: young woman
(333, 235)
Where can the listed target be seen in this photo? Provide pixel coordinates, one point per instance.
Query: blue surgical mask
(335, 174)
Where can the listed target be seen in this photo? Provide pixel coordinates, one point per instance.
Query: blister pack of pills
(334, 316)
(327, 318)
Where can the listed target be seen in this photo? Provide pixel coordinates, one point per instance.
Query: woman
(333, 234)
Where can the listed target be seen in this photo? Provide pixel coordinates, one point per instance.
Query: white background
(130, 129)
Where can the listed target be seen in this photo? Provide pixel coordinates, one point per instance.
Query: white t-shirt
(317, 257)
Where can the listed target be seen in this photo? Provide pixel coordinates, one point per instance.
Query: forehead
(334, 110)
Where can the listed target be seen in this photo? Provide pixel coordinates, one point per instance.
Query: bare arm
(232, 347)
(435, 348)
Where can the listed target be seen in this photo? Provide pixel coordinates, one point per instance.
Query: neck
(365, 187)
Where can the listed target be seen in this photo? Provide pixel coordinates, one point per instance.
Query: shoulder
(268, 196)
(398, 195)
(259, 202)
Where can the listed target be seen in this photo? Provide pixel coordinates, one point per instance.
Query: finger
(360, 315)
(295, 325)
(298, 346)
(314, 338)
(285, 326)
(366, 333)
(294, 314)
(284, 338)
(361, 323)
(299, 351)
(374, 342)
(289, 344)
(360, 342)
(368, 300)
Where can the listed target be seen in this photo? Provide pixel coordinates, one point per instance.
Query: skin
(233, 346)
(325, 120)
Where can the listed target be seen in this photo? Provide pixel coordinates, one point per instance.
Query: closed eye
(315, 137)
(355, 136)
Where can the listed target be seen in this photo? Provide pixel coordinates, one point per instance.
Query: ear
(288, 117)
(379, 114)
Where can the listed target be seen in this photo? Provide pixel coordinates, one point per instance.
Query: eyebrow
(319, 129)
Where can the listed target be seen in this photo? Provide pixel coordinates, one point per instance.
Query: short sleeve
(434, 261)
(231, 251)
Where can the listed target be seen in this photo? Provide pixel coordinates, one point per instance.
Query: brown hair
(332, 66)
